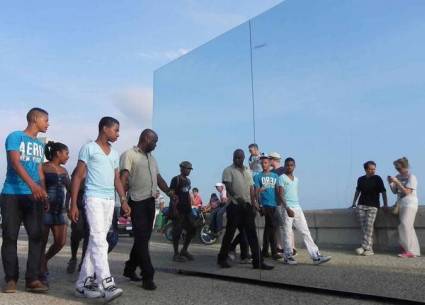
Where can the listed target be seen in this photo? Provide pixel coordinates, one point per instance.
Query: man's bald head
(147, 140)
(238, 157)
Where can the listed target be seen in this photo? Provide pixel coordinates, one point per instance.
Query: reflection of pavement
(386, 275)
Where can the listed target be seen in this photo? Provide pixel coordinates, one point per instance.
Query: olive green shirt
(143, 172)
(240, 181)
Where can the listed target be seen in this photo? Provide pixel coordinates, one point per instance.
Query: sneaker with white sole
(289, 260)
(368, 253)
(245, 261)
(321, 259)
(90, 290)
(360, 251)
(111, 292)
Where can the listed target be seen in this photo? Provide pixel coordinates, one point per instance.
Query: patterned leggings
(367, 216)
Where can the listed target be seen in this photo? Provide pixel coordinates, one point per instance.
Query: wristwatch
(123, 199)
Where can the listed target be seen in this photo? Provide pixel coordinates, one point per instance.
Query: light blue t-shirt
(268, 182)
(290, 190)
(31, 152)
(100, 171)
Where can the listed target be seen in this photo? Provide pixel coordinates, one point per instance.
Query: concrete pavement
(381, 274)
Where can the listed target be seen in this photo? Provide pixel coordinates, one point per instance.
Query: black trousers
(79, 231)
(242, 241)
(270, 227)
(183, 221)
(242, 217)
(16, 209)
(142, 218)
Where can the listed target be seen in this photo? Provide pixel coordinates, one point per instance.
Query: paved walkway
(382, 274)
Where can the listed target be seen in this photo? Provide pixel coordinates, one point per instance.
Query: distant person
(196, 202)
(254, 159)
(298, 221)
(368, 189)
(141, 179)
(405, 186)
(79, 232)
(22, 200)
(241, 211)
(217, 218)
(98, 163)
(182, 213)
(57, 182)
(212, 204)
(197, 199)
(159, 205)
(269, 193)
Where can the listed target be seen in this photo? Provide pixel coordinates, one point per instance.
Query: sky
(81, 60)
(336, 83)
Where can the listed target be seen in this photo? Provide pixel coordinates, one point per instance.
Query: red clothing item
(197, 201)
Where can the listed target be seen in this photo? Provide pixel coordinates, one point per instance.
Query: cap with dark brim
(186, 164)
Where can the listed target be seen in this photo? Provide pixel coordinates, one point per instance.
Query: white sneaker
(90, 289)
(360, 251)
(111, 292)
(321, 259)
(289, 261)
(368, 253)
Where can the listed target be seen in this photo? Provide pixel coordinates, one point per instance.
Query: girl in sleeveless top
(57, 182)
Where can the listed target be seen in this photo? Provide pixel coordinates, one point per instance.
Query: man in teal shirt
(269, 193)
(290, 188)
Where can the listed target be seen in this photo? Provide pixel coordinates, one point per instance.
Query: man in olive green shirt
(241, 211)
(141, 179)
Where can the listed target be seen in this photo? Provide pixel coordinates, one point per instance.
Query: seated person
(213, 203)
(217, 217)
(196, 202)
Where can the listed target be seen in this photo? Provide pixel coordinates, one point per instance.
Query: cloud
(164, 55)
(136, 104)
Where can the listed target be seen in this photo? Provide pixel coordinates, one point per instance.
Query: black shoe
(148, 285)
(264, 266)
(187, 255)
(265, 254)
(280, 251)
(224, 264)
(72, 265)
(132, 276)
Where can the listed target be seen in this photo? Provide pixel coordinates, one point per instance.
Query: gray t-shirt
(240, 181)
(255, 164)
(143, 172)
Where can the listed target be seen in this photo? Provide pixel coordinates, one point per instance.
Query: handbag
(395, 209)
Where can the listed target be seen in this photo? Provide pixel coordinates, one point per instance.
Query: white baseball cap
(219, 184)
(275, 155)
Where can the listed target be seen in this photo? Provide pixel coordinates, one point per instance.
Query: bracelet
(123, 199)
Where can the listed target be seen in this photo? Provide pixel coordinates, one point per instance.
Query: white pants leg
(280, 229)
(406, 230)
(300, 224)
(99, 213)
(288, 235)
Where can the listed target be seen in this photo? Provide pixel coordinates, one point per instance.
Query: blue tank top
(55, 185)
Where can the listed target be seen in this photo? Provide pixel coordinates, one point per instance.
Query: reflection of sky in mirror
(336, 83)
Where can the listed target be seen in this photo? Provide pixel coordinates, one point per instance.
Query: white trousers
(406, 230)
(99, 214)
(280, 232)
(300, 224)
